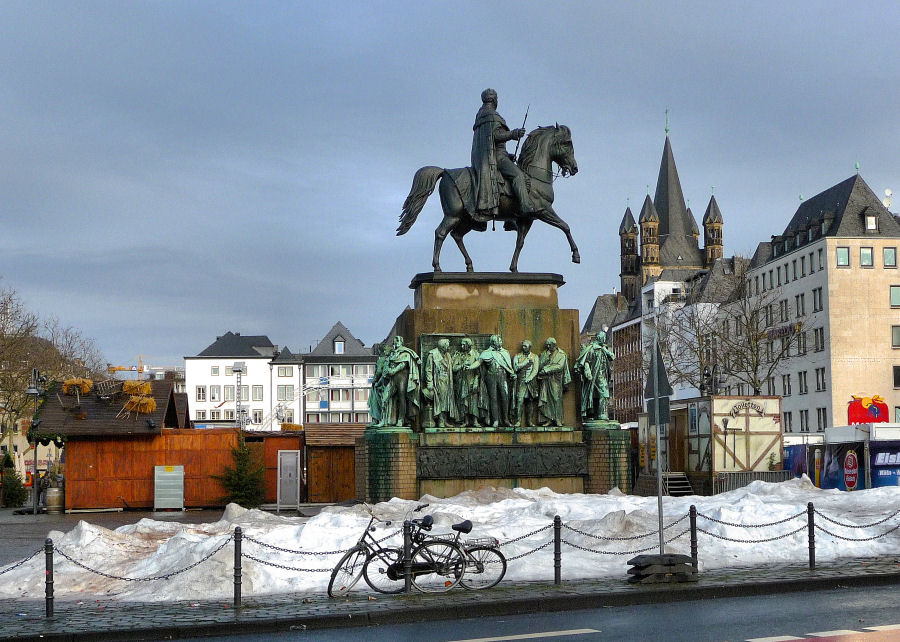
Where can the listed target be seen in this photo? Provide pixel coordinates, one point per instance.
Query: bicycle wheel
(347, 572)
(485, 567)
(437, 566)
(382, 573)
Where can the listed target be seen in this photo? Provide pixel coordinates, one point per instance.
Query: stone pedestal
(608, 450)
(389, 458)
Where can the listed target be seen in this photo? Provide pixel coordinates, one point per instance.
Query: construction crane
(139, 368)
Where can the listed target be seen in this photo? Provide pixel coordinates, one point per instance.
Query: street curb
(408, 611)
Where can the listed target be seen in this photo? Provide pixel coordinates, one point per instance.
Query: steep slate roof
(678, 250)
(603, 313)
(678, 246)
(182, 407)
(100, 417)
(762, 255)
(675, 274)
(718, 284)
(849, 202)
(286, 356)
(628, 224)
(232, 344)
(694, 229)
(353, 347)
(713, 215)
(648, 211)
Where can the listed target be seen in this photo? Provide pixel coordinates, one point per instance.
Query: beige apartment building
(835, 276)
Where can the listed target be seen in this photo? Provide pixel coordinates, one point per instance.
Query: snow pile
(152, 548)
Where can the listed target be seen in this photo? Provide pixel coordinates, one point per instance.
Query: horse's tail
(422, 187)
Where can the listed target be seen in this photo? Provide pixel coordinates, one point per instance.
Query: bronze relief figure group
(485, 388)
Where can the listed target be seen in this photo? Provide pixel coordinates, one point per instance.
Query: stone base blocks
(661, 569)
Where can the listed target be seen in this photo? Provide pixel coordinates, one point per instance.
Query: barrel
(55, 500)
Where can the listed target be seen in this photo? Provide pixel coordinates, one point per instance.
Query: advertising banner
(795, 459)
(885, 462)
(840, 466)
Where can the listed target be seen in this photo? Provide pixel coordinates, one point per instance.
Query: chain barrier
(640, 550)
(534, 550)
(20, 562)
(623, 539)
(750, 541)
(525, 536)
(834, 521)
(247, 538)
(144, 579)
(723, 522)
(287, 568)
(857, 539)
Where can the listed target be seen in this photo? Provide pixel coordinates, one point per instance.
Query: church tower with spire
(649, 221)
(630, 275)
(712, 232)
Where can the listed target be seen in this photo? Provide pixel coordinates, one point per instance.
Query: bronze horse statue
(543, 147)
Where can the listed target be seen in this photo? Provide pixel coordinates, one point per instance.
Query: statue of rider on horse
(497, 186)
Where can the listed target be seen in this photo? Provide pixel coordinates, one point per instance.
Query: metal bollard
(238, 536)
(557, 550)
(693, 514)
(811, 524)
(407, 556)
(48, 587)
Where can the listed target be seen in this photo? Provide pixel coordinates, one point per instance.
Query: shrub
(14, 492)
(245, 482)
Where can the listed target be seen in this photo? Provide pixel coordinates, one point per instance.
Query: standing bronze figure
(467, 383)
(594, 367)
(472, 196)
(438, 389)
(525, 386)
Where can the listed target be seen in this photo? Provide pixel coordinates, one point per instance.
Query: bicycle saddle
(463, 527)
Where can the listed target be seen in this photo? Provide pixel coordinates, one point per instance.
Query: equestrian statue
(496, 186)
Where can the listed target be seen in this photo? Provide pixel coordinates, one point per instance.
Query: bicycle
(351, 566)
(484, 564)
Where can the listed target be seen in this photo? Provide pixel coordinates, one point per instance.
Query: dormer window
(824, 228)
(871, 223)
(809, 236)
(339, 346)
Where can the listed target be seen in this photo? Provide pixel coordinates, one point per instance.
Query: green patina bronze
(553, 376)
(594, 368)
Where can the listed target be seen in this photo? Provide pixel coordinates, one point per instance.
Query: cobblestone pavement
(91, 620)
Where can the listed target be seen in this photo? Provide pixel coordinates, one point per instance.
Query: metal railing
(723, 482)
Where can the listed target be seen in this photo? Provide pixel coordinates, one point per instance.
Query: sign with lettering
(747, 405)
(851, 470)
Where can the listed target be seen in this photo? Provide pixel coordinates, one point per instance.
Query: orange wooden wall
(102, 472)
(271, 445)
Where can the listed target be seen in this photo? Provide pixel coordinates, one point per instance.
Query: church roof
(680, 251)
(628, 224)
(713, 215)
(648, 211)
(603, 313)
(669, 199)
(693, 221)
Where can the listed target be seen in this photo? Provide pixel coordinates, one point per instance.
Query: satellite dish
(888, 192)
(887, 200)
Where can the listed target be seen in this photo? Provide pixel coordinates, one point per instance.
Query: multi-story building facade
(338, 379)
(835, 274)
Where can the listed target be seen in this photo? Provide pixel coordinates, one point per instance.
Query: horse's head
(549, 144)
(562, 151)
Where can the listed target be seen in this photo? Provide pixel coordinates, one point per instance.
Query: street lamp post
(34, 390)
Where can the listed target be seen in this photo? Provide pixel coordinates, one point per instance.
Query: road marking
(776, 638)
(885, 627)
(831, 634)
(532, 636)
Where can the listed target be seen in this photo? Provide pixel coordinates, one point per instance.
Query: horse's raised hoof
(513, 269)
(576, 257)
(469, 268)
(437, 269)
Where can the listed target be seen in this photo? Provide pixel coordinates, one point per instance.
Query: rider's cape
(487, 180)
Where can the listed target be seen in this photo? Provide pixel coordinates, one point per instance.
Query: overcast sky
(173, 170)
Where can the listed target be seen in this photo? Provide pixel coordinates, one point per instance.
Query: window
(201, 415)
(245, 393)
(229, 415)
(215, 393)
(214, 371)
(804, 420)
(787, 420)
(338, 346)
(800, 303)
(897, 376)
(756, 282)
(340, 394)
(769, 314)
(895, 336)
(871, 223)
(285, 371)
(817, 299)
(215, 415)
(896, 414)
(786, 385)
(740, 389)
(256, 416)
(821, 419)
(801, 382)
(361, 394)
(783, 309)
(285, 393)
(802, 266)
(201, 393)
(364, 370)
(257, 393)
(313, 418)
(794, 269)
(801, 343)
(770, 352)
(362, 418)
(895, 296)
(229, 393)
(289, 416)
(314, 372)
(890, 257)
(865, 257)
(820, 379)
(771, 279)
(843, 257)
(315, 396)
(778, 272)
(229, 371)
(812, 267)
(819, 339)
(770, 386)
